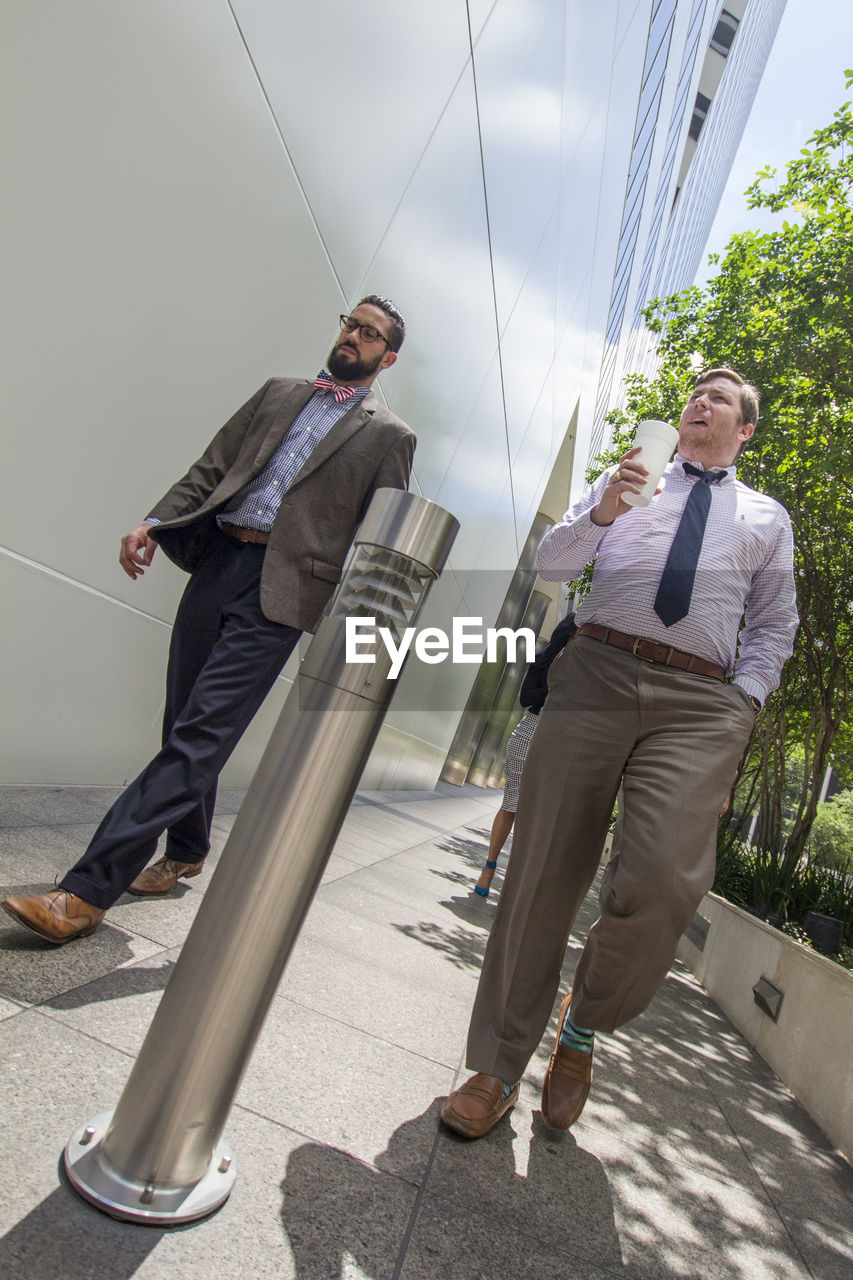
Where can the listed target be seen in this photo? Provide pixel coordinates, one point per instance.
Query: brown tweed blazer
(368, 449)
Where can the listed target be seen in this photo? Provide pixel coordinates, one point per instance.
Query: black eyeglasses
(367, 331)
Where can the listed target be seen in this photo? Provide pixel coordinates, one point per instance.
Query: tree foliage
(780, 311)
(832, 833)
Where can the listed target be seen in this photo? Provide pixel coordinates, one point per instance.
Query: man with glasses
(262, 522)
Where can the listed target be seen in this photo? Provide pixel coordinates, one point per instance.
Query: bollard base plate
(94, 1178)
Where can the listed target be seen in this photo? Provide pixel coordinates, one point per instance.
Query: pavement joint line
(338, 951)
(144, 937)
(415, 1211)
(42, 1011)
(393, 853)
(312, 1138)
(765, 1185)
(362, 1031)
(646, 1148)
(398, 813)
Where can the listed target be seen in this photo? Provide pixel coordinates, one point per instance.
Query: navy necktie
(676, 585)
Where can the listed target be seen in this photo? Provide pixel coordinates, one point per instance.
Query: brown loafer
(58, 916)
(477, 1106)
(567, 1081)
(162, 876)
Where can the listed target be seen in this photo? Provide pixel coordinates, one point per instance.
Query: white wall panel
(576, 367)
(477, 470)
(435, 261)
(84, 685)
(591, 37)
(357, 94)
(480, 11)
(530, 461)
(597, 171)
(77, 700)
(528, 344)
(193, 190)
(419, 727)
(519, 60)
(161, 261)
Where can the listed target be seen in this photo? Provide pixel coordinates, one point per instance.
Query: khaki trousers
(673, 740)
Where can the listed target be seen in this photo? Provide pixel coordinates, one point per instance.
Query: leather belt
(245, 535)
(653, 651)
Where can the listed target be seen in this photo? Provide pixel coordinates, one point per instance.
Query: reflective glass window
(724, 33)
(700, 111)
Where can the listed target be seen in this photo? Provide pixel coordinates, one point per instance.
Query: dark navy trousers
(223, 660)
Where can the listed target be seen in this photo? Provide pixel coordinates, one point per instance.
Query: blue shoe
(484, 893)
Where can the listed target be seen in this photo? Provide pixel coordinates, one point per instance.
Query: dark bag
(534, 688)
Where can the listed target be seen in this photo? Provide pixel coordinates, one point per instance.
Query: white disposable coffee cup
(656, 441)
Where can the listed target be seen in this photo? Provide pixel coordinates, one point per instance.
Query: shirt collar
(676, 468)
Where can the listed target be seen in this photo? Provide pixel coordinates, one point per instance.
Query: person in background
(534, 691)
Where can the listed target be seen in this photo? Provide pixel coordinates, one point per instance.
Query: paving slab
(33, 854)
(826, 1247)
(51, 806)
(33, 970)
(673, 1219)
(118, 1007)
(454, 1243)
(690, 1160)
(303, 1068)
(421, 1017)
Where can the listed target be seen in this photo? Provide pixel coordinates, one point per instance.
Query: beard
(347, 366)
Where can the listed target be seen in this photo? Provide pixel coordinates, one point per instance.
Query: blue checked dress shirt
(256, 504)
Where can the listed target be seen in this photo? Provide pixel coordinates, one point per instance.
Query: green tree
(832, 831)
(780, 310)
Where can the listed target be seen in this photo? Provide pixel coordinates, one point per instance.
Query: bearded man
(262, 522)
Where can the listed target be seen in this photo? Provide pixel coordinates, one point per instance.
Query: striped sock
(575, 1037)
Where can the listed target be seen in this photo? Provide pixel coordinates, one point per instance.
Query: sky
(802, 86)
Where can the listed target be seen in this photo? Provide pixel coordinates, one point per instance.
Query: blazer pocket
(328, 572)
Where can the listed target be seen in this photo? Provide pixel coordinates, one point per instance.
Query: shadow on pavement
(135, 981)
(343, 1216)
(461, 947)
(57, 1240)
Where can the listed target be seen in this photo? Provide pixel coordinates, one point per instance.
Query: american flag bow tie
(322, 383)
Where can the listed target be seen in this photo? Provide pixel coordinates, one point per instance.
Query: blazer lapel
(342, 431)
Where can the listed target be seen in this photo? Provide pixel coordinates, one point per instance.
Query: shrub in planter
(735, 870)
(754, 879)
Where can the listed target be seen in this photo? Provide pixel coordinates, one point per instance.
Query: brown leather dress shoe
(162, 876)
(58, 916)
(567, 1081)
(476, 1106)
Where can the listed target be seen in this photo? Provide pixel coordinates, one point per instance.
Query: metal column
(158, 1157)
(479, 707)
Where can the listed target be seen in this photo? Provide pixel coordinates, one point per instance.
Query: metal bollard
(158, 1158)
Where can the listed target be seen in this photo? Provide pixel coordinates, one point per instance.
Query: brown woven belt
(652, 651)
(244, 535)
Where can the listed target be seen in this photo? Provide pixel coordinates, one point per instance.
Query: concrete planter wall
(810, 1045)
